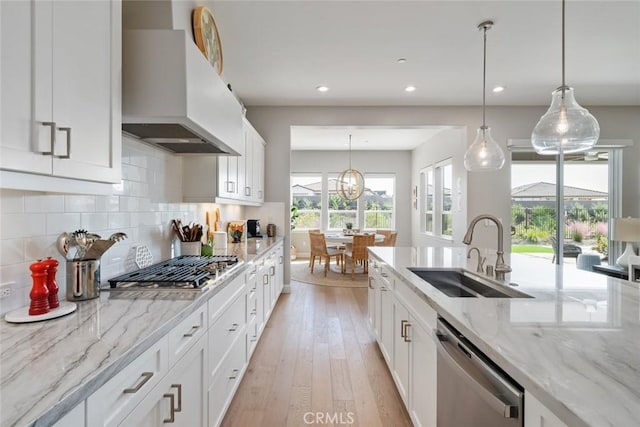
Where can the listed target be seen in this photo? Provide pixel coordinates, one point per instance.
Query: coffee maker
(253, 228)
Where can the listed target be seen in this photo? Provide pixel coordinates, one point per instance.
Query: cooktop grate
(188, 271)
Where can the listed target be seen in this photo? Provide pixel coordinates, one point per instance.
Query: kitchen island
(49, 367)
(575, 345)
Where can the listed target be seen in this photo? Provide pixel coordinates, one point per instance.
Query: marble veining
(47, 368)
(575, 345)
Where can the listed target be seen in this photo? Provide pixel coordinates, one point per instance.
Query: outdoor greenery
(537, 224)
(531, 249)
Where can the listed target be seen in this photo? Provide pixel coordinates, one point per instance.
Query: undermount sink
(460, 284)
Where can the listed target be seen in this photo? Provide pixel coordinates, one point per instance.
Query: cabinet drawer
(226, 329)
(225, 381)
(116, 398)
(219, 302)
(382, 274)
(183, 336)
(419, 307)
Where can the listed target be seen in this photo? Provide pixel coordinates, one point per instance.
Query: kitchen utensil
(62, 243)
(116, 237)
(98, 249)
(83, 279)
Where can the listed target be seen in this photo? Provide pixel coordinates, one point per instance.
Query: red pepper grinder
(52, 285)
(39, 294)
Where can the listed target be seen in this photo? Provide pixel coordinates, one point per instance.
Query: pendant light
(566, 127)
(484, 155)
(350, 183)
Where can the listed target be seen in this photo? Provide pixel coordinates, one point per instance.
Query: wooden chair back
(390, 237)
(318, 244)
(360, 244)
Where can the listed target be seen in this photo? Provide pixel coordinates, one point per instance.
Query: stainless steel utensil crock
(83, 280)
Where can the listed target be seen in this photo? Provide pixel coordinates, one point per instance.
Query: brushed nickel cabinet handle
(179, 387)
(402, 329)
(52, 125)
(247, 191)
(272, 271)
(406, 331)
(231, 187)
(172, 401)
(68, 132)
(233, 328)
(260, 194)
(281, 258)
(192, 331)
(146, 377)
(234, 374)
(253, 339)
(265, 279)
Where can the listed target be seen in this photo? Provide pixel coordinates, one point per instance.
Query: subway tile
(118, 220)
(145, 205)
(94, 221)
(12, 251)
(11, 201)
(134, 173)
(16, 225)
(40, 247)
(79, 203)
(59, 222)
(107, 203)
(18, 273)
(128, 204)
(44, 203)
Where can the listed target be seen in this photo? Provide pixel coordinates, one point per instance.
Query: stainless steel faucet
(481, 259)
(501, 268)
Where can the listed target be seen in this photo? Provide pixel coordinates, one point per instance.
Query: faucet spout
(501, 268)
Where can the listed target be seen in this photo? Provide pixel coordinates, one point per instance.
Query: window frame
(307, 175)
(437, 171)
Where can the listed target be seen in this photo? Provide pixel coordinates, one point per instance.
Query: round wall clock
(207, 36)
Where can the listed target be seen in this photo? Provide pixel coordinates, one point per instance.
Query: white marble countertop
(47, 368)
(575, 346)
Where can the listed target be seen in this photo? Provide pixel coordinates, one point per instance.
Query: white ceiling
(278, 52)
(362, 137)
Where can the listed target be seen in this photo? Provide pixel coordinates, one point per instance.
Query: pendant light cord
(563, 83)
(349, 152)
(484, 78)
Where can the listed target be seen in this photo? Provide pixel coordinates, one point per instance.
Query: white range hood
(173, 98)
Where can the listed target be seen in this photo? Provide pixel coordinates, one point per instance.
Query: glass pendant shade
(566, 127)
(484, 154)
(350, 184)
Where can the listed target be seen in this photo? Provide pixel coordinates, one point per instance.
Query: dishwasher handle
(446, 348)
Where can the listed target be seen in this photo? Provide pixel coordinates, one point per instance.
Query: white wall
(450, 143)
(486, 193)
(367, 162)
(142, 206)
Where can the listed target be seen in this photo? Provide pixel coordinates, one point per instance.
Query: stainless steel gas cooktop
(181, 273)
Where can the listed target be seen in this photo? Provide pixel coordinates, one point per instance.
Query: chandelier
(350, 183)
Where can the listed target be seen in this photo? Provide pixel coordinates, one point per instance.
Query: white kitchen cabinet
(372, 305)
(537, 415)
(73, 418)
(279, 270)
(180, 398)
(61, 88)
(404, 325)
(112, 402)
(265, 279)
(258, 168)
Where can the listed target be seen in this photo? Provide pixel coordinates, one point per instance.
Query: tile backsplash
(142, 206)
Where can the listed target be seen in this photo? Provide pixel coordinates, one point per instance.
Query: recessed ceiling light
(498, 89)
(410, 88)
(322, 88)
(401, 60)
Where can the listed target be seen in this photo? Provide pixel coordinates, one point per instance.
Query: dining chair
(390, 237)
(358, 252)
(319, 249)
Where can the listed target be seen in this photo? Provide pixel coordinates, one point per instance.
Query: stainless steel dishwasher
(472, 390)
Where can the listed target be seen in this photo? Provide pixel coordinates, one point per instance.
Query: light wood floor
(317, 355)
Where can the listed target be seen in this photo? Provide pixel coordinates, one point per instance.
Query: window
(379, 201)
(446, 190)
(319, 205)
(306, 193)
(429, 199)
(340, 211)
(436, 210)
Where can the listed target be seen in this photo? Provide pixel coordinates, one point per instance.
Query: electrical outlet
(6, 289)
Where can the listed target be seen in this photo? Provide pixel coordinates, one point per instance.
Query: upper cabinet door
(86, 88)
(61, 88)
(258, 168)
(23, 135)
